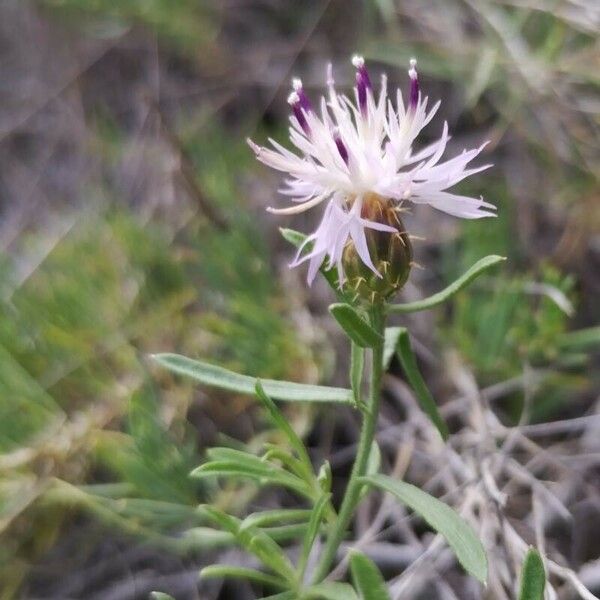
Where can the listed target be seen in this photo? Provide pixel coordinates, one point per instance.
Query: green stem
(352, 495)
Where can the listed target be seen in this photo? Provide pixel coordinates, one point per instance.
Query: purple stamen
(414, 85)
(341, 146)
(302, 97)
(299, 112)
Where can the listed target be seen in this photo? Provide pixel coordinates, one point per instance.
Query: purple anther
(299, 112)
(414, 85)
(302, 97)
(341, 146)
(359, 63)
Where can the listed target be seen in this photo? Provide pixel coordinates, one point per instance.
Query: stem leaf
(357, 329)
(367, 578)
(475, 271)
(222, 571)
(459, 535)
(330, 591)
(314, 526)
(411, 370)
(281, 423)
(224, 379)
(357, 364)
(533, 577)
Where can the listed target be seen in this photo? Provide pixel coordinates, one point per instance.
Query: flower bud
(391, 254)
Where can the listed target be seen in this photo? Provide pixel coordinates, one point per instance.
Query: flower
(353, 153)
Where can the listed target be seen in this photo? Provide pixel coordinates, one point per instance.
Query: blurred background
(132, 221)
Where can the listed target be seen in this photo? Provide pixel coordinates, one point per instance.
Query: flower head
(352, 154)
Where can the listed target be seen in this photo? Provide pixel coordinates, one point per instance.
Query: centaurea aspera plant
(357, 158)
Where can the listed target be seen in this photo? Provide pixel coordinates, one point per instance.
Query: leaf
(357, 363)
(357, 329)
(533, 577)
(477, 269)
(580, 339)
(277, 517)
(374, 461)
(219, 377)
(367, 578)
(250, 467)
(330, 591)
(281, 423)
(314, 525)
(459, 535)
(411, 370)
(254, 541)
(222, 571)
(282, 596)
(160, 596)
(389, 345)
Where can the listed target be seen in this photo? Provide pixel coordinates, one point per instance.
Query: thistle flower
(358, 158)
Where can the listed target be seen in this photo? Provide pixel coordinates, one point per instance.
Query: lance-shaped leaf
(533, 577)
(459, 535)
(281, 596)
(475, 271)
(357, 329)
(227, 462)
(357, 365)
(330, 591)
(398, 337)
(283, 425)
(367, 578)
(254, 541)
(222, 571)
(278, 516)
(314, 526)
(224, 379)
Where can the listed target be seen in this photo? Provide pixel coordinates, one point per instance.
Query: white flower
(352, 150)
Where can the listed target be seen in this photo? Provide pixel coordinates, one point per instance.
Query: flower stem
(352, 495)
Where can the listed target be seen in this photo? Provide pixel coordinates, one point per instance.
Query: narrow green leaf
(367, 578)
(282, 596)
(477, 269)
(160, 596)
(324, 477)
(580, 339)
(281, 423)
(533, 577)
(330, 591)
(374, 462)
(219, 377)
(223, 571)
(373, 465)
(265, 473)
(292, 236)
(279, 516)
(390, 343)
(357, 329)
(409, 365)
(254, 541)
(314, 525)
(357, 364)
(459, 535)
